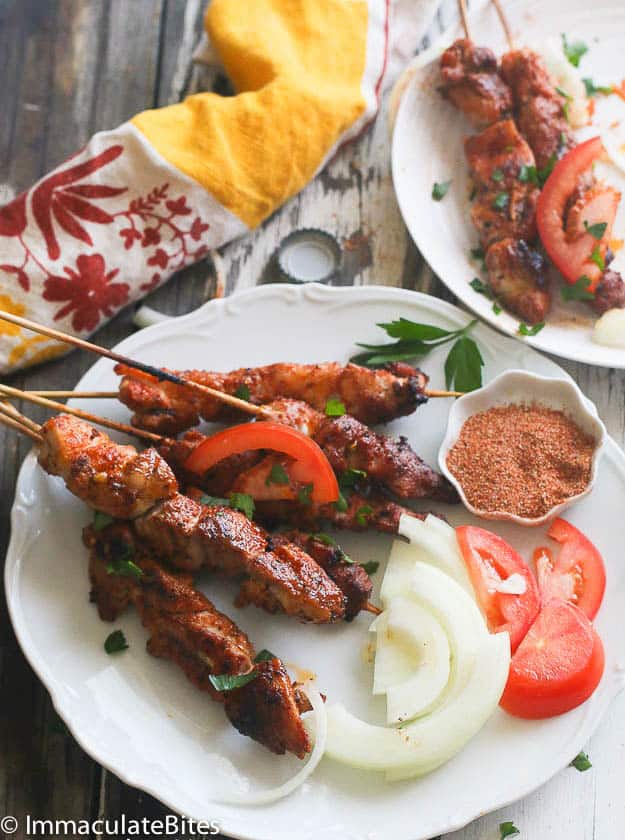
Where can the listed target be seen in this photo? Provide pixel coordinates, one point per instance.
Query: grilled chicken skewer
(117, 480)
(371, 396)
(187, 629)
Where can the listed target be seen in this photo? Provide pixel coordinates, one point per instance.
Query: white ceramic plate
(428, 147)
(139, 716)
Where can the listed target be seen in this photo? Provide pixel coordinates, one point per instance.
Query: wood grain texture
(69, 68)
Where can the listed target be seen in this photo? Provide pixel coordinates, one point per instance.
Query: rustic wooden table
(70, 68)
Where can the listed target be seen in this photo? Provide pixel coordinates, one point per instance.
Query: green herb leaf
(341, 503)
(439, 191)
(496, 308)
(277, 475)
(581, 762)
(477, 253)
(533, 330)
(507, 829)
(501, 200)
(334, 408)
(545, 172)
(595, 90)
(243, 393)
(101, 520)
(574, 51)
(362, 513)
(243, 502)
(497, 175)
(481, 288)
(463, 366)
(115, 642)
(578, 290)
(597, 230)
(227, 682)
(303, 494)
(371, 567)
(411, 331)
(124, 568)
(214, 501)
(324, 538)
(597, 258)
(264, 656)
(350, 478)
(528, 174)
(563, 93)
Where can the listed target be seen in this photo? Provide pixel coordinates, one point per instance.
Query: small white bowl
(520, 387)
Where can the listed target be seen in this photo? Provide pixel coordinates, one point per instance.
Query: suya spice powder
(521, 459)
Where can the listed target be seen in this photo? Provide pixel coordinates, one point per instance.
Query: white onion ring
(265, 797)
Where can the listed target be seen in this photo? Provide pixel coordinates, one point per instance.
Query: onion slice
(265, 797)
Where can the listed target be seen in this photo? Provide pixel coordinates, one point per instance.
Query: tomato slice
(310, 465)
(557, 666)
(490, 560)
(578, 574)
(570, 249)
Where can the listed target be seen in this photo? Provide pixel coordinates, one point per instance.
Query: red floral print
(178, 207)
(197, 229)
(88, 292)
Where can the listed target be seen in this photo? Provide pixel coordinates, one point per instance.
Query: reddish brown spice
(521, 459)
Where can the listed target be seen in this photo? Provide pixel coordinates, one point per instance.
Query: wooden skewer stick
(462, 8)
(157, 373)
(77, 412)
(9, 409)
(504, 22)
(85, 395)
(369, 607)
(6, 420)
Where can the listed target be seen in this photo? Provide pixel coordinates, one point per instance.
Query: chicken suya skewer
(491, 94)
(187, 629)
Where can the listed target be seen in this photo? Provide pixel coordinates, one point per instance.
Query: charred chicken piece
(471, 80)
(518, 277)
(539, 108)
(110, 477)
(505, 205)
(187, 629)
(373, 396)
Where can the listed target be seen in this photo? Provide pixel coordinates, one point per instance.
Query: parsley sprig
(508, 829)
(237, 501)
(578, 290)
(463, 367)
(573, 50)
(581, 762)
(596, 90)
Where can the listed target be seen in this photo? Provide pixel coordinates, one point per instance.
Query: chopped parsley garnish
(477, 253)
(533, 330)
(597, 230)
(501, 201)
(243, 502)
(496, 308)
(497, 175)
(264, 656)
(547, 169)
(227, 682)
(507, 829)
(214, 501)
(563, 93)
(122, 565)
(528, 173)
(578, 290)
(481, 287)
(362, 513)
(371, 567)
(277, 475)
(341, 503)
(115, 642)
(596, 90)
(303, 494)
(334, 408)
(573, 51)
(101, 520)
(416, 340)
(597, 258)
(350, 478)
(581, 762)
(326, 539)
(243, 393)
(439, 191)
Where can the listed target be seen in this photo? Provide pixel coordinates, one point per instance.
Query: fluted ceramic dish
(519, 387)
(143, 720)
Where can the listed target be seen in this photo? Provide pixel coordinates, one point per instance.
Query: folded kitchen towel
(143, 200)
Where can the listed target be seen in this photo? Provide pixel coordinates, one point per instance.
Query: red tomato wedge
(310, 465)
(490, 560)
(557, 666)
(570, 247)
(578, 573)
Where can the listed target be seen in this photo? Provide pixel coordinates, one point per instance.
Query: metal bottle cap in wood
(309, 256)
